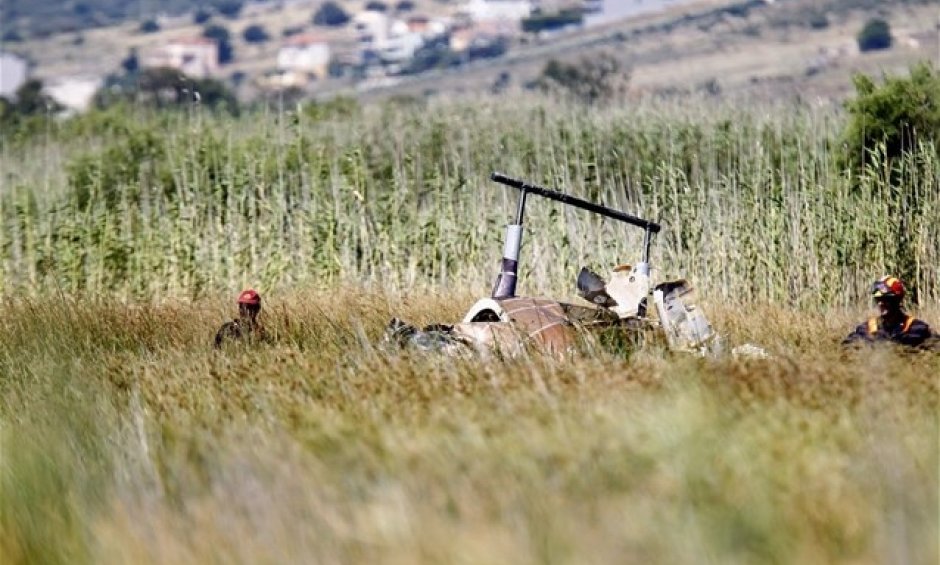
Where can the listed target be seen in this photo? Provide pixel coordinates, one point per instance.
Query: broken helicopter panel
(510, 324)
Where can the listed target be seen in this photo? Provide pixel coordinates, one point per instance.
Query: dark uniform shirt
(238, 330)
(909, 331)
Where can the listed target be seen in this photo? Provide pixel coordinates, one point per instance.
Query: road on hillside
(613, 10)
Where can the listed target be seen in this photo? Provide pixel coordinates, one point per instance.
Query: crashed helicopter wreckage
(509, 324)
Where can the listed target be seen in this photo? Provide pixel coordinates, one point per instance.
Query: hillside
(45, 18)
(788, 48)
(773, 52)
(99, 51)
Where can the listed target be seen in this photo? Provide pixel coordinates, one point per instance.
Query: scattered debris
(509, 325)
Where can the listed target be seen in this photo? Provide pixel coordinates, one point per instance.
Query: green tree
(889, 124)
(131, 63)
(898, 114)
(255, 34)
(31, 100)
(229, 8)
(30, 110)
(11, 36)
(164, 88)
(875, 35)
(221, 35)
(330, 14)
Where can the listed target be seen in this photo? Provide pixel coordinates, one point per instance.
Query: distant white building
(488, 10)
(75, 94)
(13, 73)
(196, 57)
(463, 38)
(391, 41)
(307, 54)
(300, 59)
(399, 48)
(370, 27)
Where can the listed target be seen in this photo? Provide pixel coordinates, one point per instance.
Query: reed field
(125, 438)
(754, 202)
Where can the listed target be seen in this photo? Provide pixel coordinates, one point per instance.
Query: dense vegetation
(125, 438)
(45, 17)
(194, 202)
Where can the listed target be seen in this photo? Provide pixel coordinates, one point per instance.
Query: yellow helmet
(887, 286)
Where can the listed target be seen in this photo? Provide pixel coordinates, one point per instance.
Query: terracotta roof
(193, 41)
(304, 39)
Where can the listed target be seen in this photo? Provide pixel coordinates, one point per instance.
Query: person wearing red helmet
(892, 324)
(246, 327)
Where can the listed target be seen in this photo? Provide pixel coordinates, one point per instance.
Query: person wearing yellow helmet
(892, 324)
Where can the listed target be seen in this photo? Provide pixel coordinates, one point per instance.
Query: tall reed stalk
(753, 203)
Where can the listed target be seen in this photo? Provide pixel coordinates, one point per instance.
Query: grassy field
(124, 437)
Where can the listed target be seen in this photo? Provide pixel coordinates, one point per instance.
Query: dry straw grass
(126, 438)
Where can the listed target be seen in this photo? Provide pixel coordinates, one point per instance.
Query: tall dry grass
(126, 438)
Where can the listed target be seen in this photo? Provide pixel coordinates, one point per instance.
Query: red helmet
(250, 297)
(888, 286)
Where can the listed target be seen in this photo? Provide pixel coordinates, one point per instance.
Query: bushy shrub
(31, 100)
(818, 20)
(11, 36)
(255, 34)
(201, 16)
(149, 26)
(551, 22)
(590, 80)
(875, 35)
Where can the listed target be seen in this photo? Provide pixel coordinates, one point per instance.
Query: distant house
(490, 10)
(13, 74)
(399, 48)
(480, 34)
(427, 27)
(304, 54)
(389, 41)
(418, 24)
(370, 27)
(75, 94)
(196, 57)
